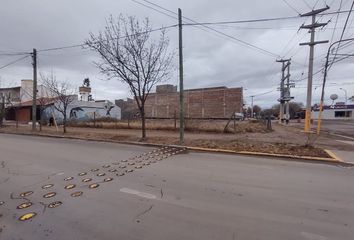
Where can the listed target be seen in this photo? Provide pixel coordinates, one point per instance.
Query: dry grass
(212, 126)
(253, 142)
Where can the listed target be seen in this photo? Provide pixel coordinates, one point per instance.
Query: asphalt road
(183, 196)
(341, 127)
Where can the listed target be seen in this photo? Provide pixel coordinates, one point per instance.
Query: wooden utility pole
(34, 101)
(312, 27)
(181, 101)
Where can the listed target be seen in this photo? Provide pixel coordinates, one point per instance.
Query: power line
(281, 18)
(165, 9)
(254, 20)
(343, 31)
(13, 62)
(261, 94)
(316, 4)
(84, 44)
(249, 45)
(341, 59)
(168, 15)
(348, 54)
(304, 1)
(335, 25)
(217, 31)
(192, 24)
(290, 6)
(245, 21)
(14, 54)
(61, 48)
(265, 93)
(336, 12)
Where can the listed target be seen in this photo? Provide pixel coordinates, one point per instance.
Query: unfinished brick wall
(199, 103)
(220, 102)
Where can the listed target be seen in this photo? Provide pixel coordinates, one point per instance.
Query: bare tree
(294, 109)
(256, 110)
(62, 93)
(129, 53)
(6, 101)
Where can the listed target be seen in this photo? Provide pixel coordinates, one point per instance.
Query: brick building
(217, 103)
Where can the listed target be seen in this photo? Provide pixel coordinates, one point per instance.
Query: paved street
(166, 194)
(342, 132)
(341, 127)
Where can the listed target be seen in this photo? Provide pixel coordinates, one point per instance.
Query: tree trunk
(143, 124)
(40, 118)
(16, 118)
(64, 123)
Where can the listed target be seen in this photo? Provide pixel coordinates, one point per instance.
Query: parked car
(239, 116)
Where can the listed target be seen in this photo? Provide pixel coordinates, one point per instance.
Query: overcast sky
(211, 60)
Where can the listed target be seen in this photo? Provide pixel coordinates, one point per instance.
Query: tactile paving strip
(117, 168)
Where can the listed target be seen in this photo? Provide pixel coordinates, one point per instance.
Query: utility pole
(325, 80)
(252, 106)
(312, 28)
(34, 101)
(287, 94)
(181, 100)
(284, 92)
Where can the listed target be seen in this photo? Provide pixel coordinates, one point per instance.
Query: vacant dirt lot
(250, 136)
(191, 125)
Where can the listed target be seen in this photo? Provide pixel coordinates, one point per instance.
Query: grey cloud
(210, 60)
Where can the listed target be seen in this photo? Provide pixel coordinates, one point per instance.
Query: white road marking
(347, 142)
(312, 236)
(338, 135)
(138, 193)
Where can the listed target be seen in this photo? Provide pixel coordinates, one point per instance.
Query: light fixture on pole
(346, 95)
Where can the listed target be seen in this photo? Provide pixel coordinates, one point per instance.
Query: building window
(343, 114)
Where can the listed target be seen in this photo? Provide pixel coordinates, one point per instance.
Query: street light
(346, 95)
(324, 81)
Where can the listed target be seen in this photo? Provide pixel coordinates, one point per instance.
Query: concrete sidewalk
(345, 156)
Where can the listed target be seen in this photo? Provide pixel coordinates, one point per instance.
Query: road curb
(333, 155)
(322, 159)
(333, 158)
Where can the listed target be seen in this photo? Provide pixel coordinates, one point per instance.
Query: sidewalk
(345, 156)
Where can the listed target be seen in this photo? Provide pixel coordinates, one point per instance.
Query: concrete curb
(333, 155)
(322, 159)
(333, 159)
